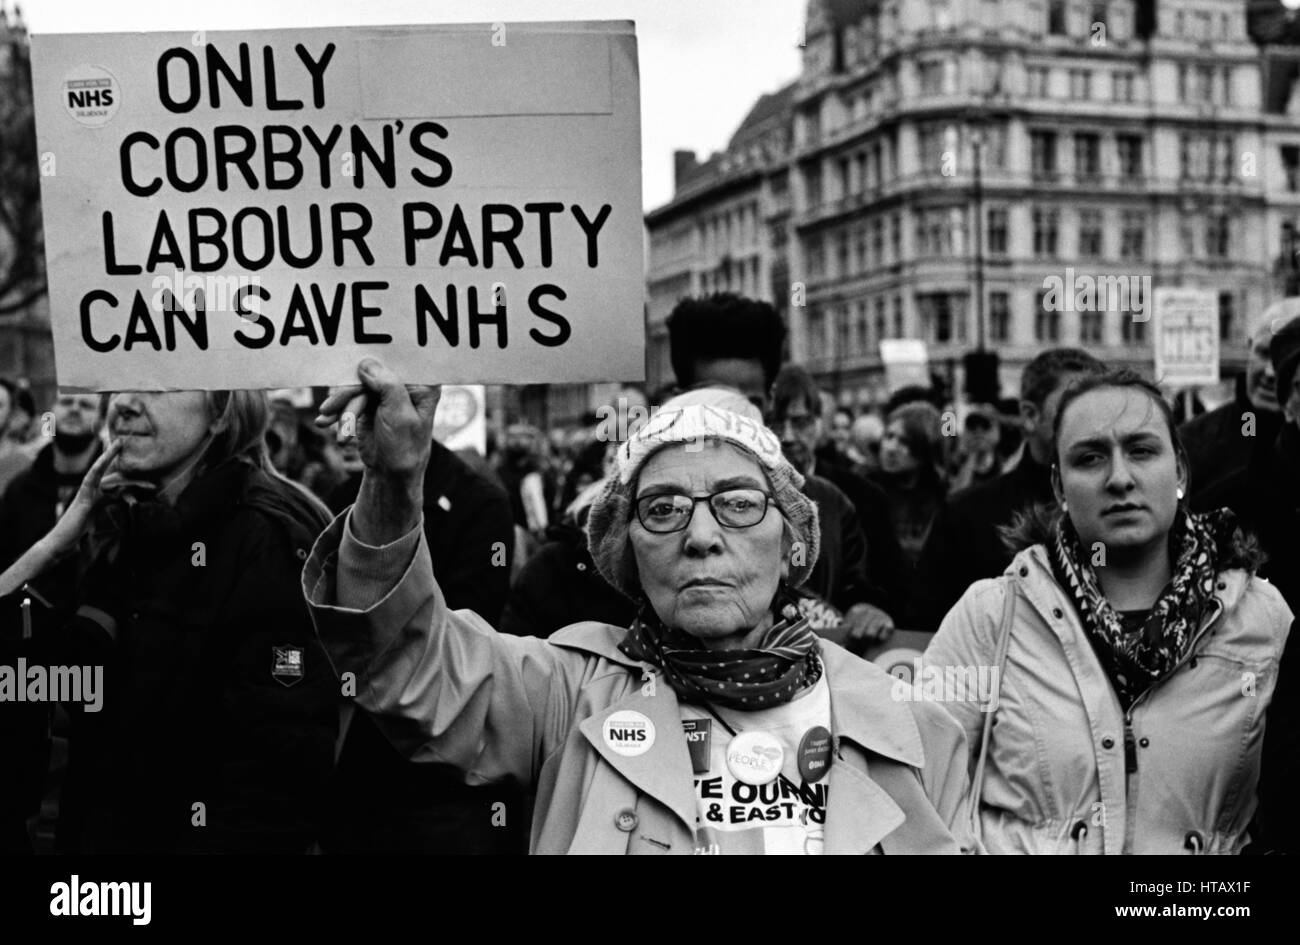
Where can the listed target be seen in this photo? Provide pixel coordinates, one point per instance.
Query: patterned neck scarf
(784, 663)
(1136, 660)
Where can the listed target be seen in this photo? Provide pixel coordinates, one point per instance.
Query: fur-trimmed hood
(1036, 523)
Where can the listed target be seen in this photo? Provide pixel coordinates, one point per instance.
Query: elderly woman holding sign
(716, 723)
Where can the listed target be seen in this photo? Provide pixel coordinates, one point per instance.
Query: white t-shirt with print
(786, 815)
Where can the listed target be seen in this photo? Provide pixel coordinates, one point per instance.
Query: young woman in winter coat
(1141, 651)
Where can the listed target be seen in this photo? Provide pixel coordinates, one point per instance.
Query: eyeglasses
(671, 512)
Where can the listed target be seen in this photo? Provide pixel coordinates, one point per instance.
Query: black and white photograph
(529, 427)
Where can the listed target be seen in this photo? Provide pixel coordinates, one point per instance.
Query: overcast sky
(703, 62)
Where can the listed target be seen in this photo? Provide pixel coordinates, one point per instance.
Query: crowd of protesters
(184, 542)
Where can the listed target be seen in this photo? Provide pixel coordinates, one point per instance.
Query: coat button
(626, 821)
(1222, 585)
(1024, 571)
(1108, 742)
(581, 566)
(1144, 742)
(1058, 613)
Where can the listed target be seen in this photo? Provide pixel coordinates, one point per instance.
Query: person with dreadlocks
(717, 723)
(218, 717)
(1137, 651)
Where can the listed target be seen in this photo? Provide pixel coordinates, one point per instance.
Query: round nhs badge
(628, 733)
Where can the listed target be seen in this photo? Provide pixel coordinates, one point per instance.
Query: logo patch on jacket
(287, 664)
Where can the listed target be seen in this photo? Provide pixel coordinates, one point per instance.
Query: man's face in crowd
(743, 374)
(1039, 420)
(1261, 382)
(981, 433)
(840, 427)
(76, 415)
(799, 429)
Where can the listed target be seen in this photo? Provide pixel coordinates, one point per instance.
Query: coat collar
(863, 708)
(1043, 591)
(865, 720)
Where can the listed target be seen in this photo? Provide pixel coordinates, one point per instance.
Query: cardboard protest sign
(1186, 344)
(263, 209)
(906, 361)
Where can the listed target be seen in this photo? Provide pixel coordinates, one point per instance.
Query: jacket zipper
(1130, 741)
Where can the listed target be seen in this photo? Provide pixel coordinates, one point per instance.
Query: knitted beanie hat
(692, 419)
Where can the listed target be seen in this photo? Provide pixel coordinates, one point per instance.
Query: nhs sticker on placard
(629, 733)
(91, 95)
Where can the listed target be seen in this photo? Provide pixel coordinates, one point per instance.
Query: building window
(942, 317)
(938, 232)
(1090, 328)
(1087, 157)
(1291, 164)
(816, 258)
(1130, 329)
(1037, 76)
(880, 319)
(1046, 221)
(843, 332)
(846, 177)
(999, 317)
(814, 181)
(1090, 238)
(930, 146)
(1080, 84)
(1129, 148)
(1204, 88)
(1096, 14)
(898, 316)
(1227, 314)
(1187, 237)
(993, 148)
(842, 254)
(1056, 18)
(896, 237)
(931, 77)
(860, 245)
(816, 333)
(1217, 228)
(1203, 24)
(1225, 167)
(1188, 159)
(1047, 324)
(1122, 87)
(1042, 146)
(878, 241)
(997, 231)
(1132, 234)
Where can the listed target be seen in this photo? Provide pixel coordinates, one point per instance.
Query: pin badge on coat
(288, 664)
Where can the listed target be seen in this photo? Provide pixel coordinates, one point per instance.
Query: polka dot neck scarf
(769, 675)
(1134, 660)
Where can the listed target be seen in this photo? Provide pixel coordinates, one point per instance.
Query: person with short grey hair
(716, 723)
